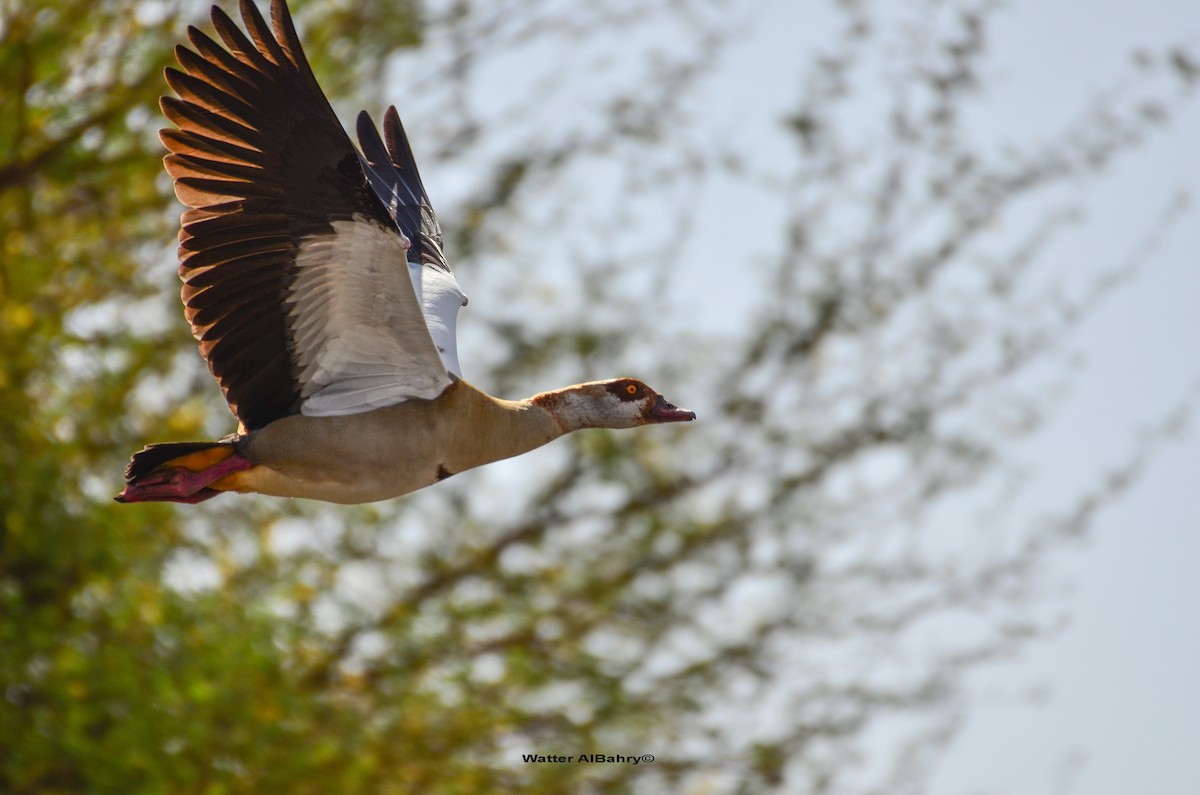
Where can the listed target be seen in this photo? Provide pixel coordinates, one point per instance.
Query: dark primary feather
(261, 161)
(392, 171)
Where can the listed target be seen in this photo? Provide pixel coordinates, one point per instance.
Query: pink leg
(182, 485)
(200, 496)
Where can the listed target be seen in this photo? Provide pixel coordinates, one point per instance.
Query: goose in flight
(316, 285)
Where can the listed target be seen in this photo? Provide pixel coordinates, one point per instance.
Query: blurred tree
(745, 599)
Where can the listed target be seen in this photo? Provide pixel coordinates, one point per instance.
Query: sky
(1110, 704)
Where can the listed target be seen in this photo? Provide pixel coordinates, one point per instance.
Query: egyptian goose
(315, 283)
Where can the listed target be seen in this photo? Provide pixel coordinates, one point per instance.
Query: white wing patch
(359, 333)
(440, 298)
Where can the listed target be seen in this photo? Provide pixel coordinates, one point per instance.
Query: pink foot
(192, 499)
(182, 485)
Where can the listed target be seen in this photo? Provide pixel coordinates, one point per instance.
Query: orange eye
(631, 389)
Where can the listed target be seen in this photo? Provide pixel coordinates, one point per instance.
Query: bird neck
(491, 429)
(568, 408)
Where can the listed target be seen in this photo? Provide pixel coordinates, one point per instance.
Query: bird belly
(350, 459)
(278, 483)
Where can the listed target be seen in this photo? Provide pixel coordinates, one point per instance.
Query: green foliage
(79, 198)
(111, 681)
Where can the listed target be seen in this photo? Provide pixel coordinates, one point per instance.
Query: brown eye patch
(628, 390)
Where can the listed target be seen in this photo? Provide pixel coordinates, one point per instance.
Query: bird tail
(189, 455)
(150, 471)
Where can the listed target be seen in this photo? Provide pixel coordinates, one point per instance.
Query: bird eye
(632, 389)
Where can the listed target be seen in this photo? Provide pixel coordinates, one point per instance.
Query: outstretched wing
(392, 171)
(295, 274)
